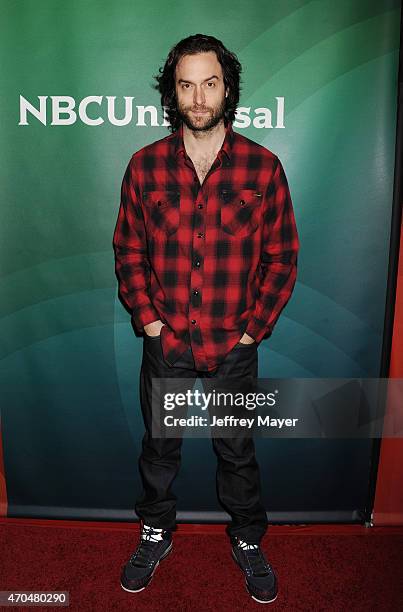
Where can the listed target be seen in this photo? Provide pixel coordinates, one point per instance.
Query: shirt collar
(226, 145)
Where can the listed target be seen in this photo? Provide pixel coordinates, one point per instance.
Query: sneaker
(261, 581)
(155, 545)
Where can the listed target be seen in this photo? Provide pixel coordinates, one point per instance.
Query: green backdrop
(70, 415)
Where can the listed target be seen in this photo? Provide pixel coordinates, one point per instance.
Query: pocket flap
(242, 197)
(160, 197)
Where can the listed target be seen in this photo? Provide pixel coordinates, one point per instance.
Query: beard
(202, 123)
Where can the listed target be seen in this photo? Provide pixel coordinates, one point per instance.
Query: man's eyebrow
(209, 79)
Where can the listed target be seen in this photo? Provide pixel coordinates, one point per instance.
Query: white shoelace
(245, 546)
(151, 534)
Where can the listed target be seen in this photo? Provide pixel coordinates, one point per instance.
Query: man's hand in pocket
(154, 328)
(247, 339)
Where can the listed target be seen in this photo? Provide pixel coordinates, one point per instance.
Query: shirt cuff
(145, 315)
(257, 329)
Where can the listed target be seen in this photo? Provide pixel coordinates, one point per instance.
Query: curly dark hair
(198, 43)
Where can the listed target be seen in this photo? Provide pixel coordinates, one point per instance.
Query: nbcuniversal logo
(64, 110)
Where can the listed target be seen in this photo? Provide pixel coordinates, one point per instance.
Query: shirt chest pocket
(162, 211)
(240, 211)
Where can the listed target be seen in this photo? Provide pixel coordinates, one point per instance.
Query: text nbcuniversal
(65, 110)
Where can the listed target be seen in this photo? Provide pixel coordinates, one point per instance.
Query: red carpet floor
(340, 568)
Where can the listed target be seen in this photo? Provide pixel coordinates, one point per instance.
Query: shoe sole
(166, 553)
(262, 601)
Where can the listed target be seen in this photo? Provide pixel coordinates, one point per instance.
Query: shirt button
(200, 235)
(200, 206)
(193, 321)
(195, 292)
(197, 264)
(242, 202)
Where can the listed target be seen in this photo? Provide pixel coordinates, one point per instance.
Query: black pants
(238, 479)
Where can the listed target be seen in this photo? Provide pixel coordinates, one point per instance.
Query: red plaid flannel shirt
(211, 261)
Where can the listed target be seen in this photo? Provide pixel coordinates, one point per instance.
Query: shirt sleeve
(131, 259)
(278, 264)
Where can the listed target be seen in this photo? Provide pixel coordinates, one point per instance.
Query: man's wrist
(150, 323)
(256, 329)
(143, 317)
(249, 337)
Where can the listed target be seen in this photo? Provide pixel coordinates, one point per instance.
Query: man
(206, 256)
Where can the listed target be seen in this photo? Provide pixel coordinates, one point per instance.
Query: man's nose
(199, 97)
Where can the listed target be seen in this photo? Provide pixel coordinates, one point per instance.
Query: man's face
(200, 91)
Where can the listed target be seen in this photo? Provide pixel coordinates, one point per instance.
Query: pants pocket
(242, 345)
